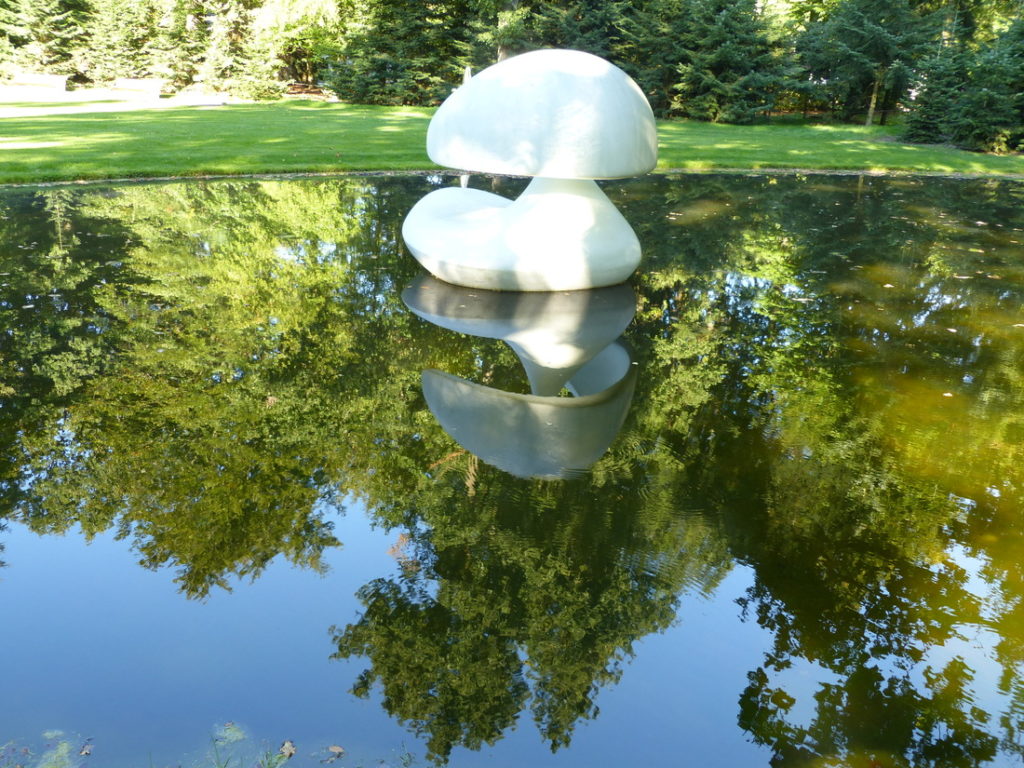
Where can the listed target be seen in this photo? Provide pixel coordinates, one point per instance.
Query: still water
(263, 486)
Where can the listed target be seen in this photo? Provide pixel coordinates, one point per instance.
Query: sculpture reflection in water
(518, 595)
(566, 340)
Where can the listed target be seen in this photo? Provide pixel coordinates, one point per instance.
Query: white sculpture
(565, 118)
(563, 340)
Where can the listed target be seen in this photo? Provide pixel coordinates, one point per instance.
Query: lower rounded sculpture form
(533, 436)
(559, 235)
(553, 333)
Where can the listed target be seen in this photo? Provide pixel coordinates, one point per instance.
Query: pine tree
(6, 46)
(120, 35)
(942, 80)
(502, 28)
(649, 47)
(581, 25)
(730, 71)
(990, 114)
(227, 21)
(863, 53)
(407, 53)
(257, 76)
(178, 43)
(42, 33)
(303, 35)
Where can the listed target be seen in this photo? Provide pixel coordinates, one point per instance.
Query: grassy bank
(83, 141)
(702, 146)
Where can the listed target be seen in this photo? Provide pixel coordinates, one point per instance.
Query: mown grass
(234, 139)
(311, 136)
(699, 146)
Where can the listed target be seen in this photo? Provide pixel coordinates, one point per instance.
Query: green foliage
(403, 53)
(729, 71)
(862, 54)
(990, 114)
(43, 33)
(256, 77)
(179, 42)
(582, 25)
(305, 33)
(503, 28)
(940, 89)
(973, 98)
(648, 48)
(121, 34)
(224, 54)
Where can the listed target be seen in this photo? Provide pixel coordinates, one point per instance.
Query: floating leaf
(336, 753)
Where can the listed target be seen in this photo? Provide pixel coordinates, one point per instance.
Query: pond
(265, 488)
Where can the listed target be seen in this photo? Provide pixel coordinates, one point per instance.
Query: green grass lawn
(699, 146)
(311, 136)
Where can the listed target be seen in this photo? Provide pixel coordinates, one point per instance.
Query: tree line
(956, 65)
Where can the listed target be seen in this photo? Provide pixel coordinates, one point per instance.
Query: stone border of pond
(448, 173)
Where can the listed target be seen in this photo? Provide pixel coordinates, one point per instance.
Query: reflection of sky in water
(95, 645)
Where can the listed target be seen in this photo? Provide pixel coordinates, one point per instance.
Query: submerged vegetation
(230, 746)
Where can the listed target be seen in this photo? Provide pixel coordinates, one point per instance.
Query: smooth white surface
(555, 113)
(559, 235)
(531, 436)
(554, 334)
(563, 339)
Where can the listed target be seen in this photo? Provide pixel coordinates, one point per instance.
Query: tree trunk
(503, 49)
(874, 97)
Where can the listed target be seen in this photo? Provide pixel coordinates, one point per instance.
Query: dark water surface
(779, 523)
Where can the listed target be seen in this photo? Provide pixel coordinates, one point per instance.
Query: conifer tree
(863, 52)
(730, 71)
(940, 88)
(582, 25)
(649, 47)
(406, 53)
(6, 47)
(990, 114)
(42, 33)
(179, 40)
(502, 28)
(228, 24)
(121, 33)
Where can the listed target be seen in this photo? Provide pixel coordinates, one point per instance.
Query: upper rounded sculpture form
(555, 113)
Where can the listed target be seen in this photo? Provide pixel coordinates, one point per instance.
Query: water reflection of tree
(208, 369)
(843, 505)
(179, 382)
(523, 593)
